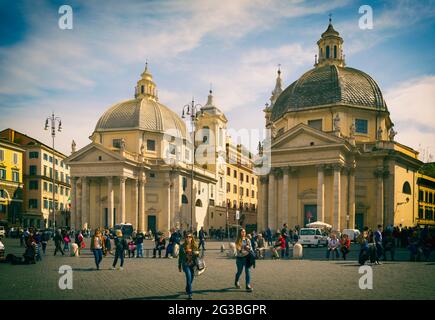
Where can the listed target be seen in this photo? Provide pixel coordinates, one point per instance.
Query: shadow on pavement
(182, 295)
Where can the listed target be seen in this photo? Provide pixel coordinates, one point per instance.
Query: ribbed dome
(326, 85)
(141, 114)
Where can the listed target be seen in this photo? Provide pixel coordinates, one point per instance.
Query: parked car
(2, 232)
(312, 237)
(352, 234)
(13, 233)
(126, 228)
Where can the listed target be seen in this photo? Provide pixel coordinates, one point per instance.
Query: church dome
(329, 83)
(142, 113)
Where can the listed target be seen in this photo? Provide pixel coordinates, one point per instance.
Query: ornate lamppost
(193, 111)
(51, 122)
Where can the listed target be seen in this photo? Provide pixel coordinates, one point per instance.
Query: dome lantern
(330, 48)
(145, 87)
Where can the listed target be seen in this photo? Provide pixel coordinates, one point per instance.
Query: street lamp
(51, 122)
(194, 111)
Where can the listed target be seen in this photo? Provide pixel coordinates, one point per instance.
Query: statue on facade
(142, 149)
(73, 146)
(379, 133)
(337, 123)
(352, 131)
(122, 144)
(392, 134)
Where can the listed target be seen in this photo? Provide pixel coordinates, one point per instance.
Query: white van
(312, 237)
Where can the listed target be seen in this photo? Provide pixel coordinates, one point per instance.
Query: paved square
(309, 278)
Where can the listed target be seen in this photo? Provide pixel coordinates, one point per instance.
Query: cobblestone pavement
(309, 278)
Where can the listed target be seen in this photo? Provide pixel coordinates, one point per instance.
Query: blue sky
(235, 45)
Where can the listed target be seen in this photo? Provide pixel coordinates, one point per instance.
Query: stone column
(85, 202)
(74, 215)
(166, 215)
(141, 218)
(271, 213)
(293, 185)
(99, 207)
(379, 173)
(262, 203)
(173, 202)
(136, 205)
(79, 221)
(110, 201)
(321, 193)
(337, 197)
(284, 195)
(351, 198)
(122, 198)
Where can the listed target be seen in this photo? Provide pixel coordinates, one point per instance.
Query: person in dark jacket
(189, 251)
(202, 238)
(58, 243)
(44, 241)
(160, 244)
(120, 246)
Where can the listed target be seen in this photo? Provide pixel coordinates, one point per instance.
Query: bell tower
(145, 87)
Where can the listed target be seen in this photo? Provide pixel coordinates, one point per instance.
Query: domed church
(333, 154)
(137, 169)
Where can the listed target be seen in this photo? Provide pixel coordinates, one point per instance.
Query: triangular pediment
(92, 153)
(305, 136)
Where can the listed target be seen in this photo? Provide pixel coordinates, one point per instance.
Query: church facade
(333, 154)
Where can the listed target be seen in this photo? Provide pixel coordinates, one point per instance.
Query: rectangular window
(45, 204)
(221, 183)
(33, 185)
(253, 182)
(241, 176)
(247, 192)
(57, 162)
(420, 195)
(57, 175)
(34, 155)
(361, 126)
(45, 170)
(247, 179)
(51, 172)
(234, 189)
(241, 191)
(61, 191)
(228, 171)
(316, 124)
(66, 191)
(15, 176)
(45, 186)
(235, 174)
(62, 177)
(33, 203)
(228, 187)
(15, 158)
(51, 159)
(151, 145)
(116, 143)
(61, 164)
(50, 187)
(67, 179)
(33, 171)
(45, 157)
(2, 155)
(3, 174)
(252, 194)
(55, 189)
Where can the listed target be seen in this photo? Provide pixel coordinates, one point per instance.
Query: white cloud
(412, 108)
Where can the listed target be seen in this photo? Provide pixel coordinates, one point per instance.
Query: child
(131, 248)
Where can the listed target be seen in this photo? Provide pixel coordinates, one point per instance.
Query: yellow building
(11, 182)
(241, 185)
(332, 151)
(38, 182)
(426, 200)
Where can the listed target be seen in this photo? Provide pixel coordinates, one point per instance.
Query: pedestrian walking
(202, 238)
(97, 246)
(139, 244)
(244, 249)
(58, 243)
(189, 252)
(107, 243)
(120, 247)
(378, 244)
(286, 235)
(44, 240)
(66, 241)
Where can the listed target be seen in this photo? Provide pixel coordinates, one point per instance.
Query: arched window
(141, 89)
(335, 52)
(406, 188)
(198, 203)
(327, 52)
(184, 199)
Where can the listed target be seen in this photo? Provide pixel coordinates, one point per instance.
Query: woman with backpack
(120, 246)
